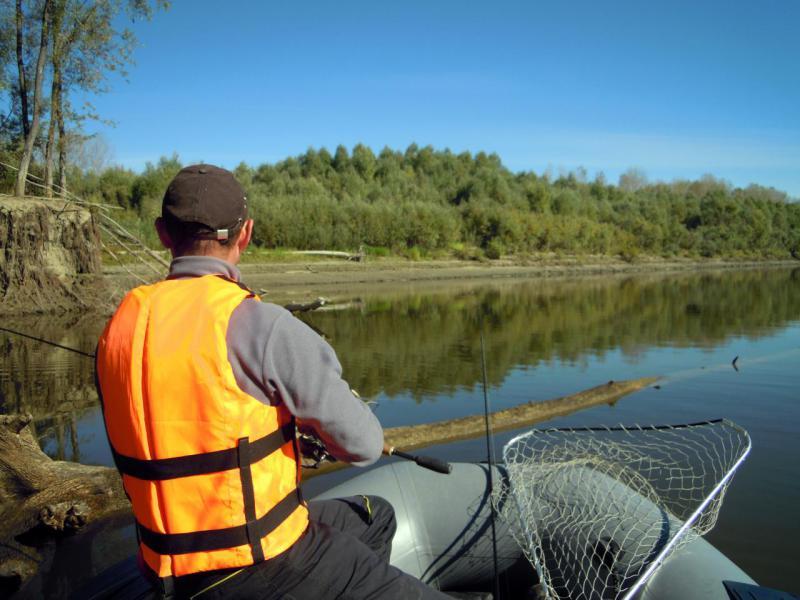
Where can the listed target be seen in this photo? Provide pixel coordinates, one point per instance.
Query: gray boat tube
(444, 534)
(444, 538)
(443, 522)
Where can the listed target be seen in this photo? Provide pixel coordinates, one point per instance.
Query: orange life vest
(212, 473)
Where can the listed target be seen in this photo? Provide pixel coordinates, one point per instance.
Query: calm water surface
(417, 352)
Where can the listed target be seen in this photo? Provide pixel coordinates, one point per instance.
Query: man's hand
(313, 450)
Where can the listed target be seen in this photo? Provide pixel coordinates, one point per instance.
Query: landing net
(597, 510)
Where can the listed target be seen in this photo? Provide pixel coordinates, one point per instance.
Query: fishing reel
(312, 449)
(313, 452)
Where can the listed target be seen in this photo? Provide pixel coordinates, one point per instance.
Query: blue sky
(675, 88)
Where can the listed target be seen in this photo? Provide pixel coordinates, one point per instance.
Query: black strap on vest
(218, 539)
(202, 464)
(245, 454)
(249, 497)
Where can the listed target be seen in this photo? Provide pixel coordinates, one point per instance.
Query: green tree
(364, 162)
(75, 44)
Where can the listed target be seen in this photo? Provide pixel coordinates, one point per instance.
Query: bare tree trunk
(62, 142)
(410, 437)
(30, 139)
(49, 154)
(57, 53)
(55, 114)
(23, 82)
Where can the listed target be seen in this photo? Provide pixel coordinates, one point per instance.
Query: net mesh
(596, 510)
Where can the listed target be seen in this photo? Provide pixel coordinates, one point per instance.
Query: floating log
(530, 413)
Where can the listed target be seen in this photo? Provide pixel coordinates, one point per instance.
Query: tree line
(425, 202)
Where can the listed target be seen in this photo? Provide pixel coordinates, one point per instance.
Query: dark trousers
(343, 554)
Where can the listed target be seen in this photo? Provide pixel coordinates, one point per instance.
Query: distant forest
(425, 202)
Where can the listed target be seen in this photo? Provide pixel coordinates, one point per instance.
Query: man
(201, 386)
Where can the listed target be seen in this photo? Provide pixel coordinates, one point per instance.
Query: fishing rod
(491, 460)
(49, 342)
(427, 462)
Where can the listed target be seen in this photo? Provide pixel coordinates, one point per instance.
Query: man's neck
(200, 265)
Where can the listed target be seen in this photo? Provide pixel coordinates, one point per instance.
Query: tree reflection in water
(426, 344)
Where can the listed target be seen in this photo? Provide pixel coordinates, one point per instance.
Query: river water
(416, 352)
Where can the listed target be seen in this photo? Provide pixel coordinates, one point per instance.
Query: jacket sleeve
(303, 371)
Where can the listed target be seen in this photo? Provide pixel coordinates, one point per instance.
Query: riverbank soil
(49, 257)
(304, 280)
(340, 281)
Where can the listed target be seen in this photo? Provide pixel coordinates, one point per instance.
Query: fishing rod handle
(428, 462)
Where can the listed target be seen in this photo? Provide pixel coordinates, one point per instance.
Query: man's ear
(163, 234)
(245, 236)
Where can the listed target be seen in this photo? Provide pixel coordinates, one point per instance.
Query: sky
(677, 89)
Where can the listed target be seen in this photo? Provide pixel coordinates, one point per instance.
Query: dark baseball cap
(208, 199)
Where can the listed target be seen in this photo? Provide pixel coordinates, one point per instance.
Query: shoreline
(339, 280)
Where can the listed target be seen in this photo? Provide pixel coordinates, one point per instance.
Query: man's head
(204, 212)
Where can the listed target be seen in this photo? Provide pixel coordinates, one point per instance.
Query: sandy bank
(339, 280)
(284, 282)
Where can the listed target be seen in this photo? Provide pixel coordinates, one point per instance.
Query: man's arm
(278, 358)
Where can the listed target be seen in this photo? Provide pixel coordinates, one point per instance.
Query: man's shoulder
(258, 309)
(253, 318)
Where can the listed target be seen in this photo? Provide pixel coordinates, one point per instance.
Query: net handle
(690, 521)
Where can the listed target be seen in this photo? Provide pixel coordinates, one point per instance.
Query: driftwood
(295, 307)
(40, 497)
(530, 413)
(358, 257)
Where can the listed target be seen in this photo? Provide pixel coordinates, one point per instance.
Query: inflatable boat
(444, 537)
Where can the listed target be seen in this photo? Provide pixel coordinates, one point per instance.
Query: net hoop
(675, 475)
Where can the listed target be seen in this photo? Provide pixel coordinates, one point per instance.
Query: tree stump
(49, 257)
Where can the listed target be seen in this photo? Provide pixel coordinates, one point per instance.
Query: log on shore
(358, 257)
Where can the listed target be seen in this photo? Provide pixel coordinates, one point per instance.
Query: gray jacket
(278, 358)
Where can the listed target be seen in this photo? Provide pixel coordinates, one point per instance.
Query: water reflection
(55, 386)
(428, 344)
